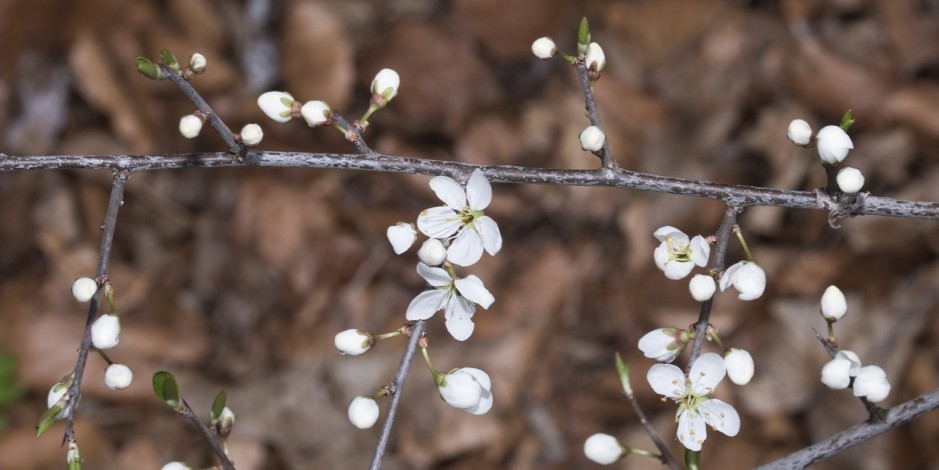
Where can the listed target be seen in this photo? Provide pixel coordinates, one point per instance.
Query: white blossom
(251, 135)
(592, 139)
(363, 412)
(702, 287)
(462, 221)
(739, 364)
(84, 288)
(197, 63)
(837, 373)
(432, 252)
(385, 85)
(315, 113)
(834, 306)
(595, 58)
(456, 296)
(850, 180)
(676, 255)
(467, 389)
(401, 236)
(106, 331)
(871, 382)
(696, 408)
(277, 105)
(118, 377)
(833, 144)
(747, 277)
(603, 449)
(354, 342)
(544, 48)
(663, 344)
(799, 132)
(190, 125)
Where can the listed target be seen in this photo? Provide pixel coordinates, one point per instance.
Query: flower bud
(837, 373)
(739, 364)
(595, 58)
(662, 344)
(277, 105)
(251, 135)
(544, 48)
(106, 331)
(871, 382)
(118, 377)
(834, 306)
(799, 132)
(432, 252)
(84, 288)
(363, 412)
(55, 394)
(197, 63)
(354, 342)
(833, 144)
(226, 420)
(467, 389)
(592, 139)
(850, 180)
(190, 125)
(315, 113)
(603, 449)
(702, 287)
(747, 277)
(385, 86)
(401, 236)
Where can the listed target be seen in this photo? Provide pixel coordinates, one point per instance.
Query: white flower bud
(251, 135)
(106, 331)
(432, 252)
(833, 144)
(467, 389)
(544, 48)
(225, 421)
(662, 344)
(363, 412)
(277, 105)
(739, 364)
(595, 58)
(197, 63)
(354, 342)
(190, 125)
(837, 373)
(871, 382)
(702, 287)
(603, 449)
(592, 139)
(385, 85)
(118, 377)
(747, 277)
(55, 394)
(401, 236)
(850, 180)
(315, 113)
(176, 466)
(799, 132)
(834, 306)
(84, 288)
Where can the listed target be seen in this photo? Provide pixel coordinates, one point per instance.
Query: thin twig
(396, 387)
(221, 129)
(209, 434)
(874, 412)
(606, 157)
(667, 457)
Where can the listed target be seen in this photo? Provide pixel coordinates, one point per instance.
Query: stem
(210, 435)
(743, 243)
(606, 157)
(221, 129)
(666, 456)
(396, 387)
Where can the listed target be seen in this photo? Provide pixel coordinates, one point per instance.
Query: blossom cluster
(833, 145)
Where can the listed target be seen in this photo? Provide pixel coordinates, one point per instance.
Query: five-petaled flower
(696, 408)
(462, 220)
(676, 255)
(456, 296)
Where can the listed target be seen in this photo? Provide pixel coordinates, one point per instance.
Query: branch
(210, 435)
(216, 122)
(667, 457)
(606, 156)
(735, 195)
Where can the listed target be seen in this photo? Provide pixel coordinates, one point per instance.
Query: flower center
(678, 250)
(468, 216)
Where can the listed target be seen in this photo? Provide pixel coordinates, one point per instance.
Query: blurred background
(238, 279)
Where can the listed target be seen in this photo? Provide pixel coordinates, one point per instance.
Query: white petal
(676, 270)
(750, 281)
(426, 304)
(667, 380)
(853, 358)
(439, 222)
(484, 405)
(700, 251)
(692, 430)
(478, 191)
(472, 288)
(730, 274)
(660, 255)
(401, 236)
(459, 318)
(480, 375)
(835, 373)
(449, 191)
(489, 232)
(466, 248)
(720, 416)
(437, 277)
(670, 232)
(833, 144)
(660, 344)
(706, 373)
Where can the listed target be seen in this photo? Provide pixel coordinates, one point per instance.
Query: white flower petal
(439, 222)
(478, 191)
(449, 191)
(750, 281)
(700, 251)
(660, 344)
(706, 372)
(853, 359)
(426, 304)
(480, 375)
(833, 144)
(835, 373)
(461, 390)
(692, 430)
(676, 270)
(472, 288)
(670, 232)
(459, 317)
(727, 279)
(466, 248)
(437, 277)
(720, 416)
(401, 236)
(489, 232)
(667, 380)
(660, 255)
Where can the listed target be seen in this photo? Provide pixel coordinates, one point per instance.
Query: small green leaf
(169, 59)
(48, 417)
(166, 388)
(623, 371)
(217, 406)
(847, 120)
(583, 36)
(149, 69)
(75, 465)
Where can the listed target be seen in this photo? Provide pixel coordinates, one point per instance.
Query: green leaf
(149, 69)
(583, 36)
(847, 120)
(217, 406)
(48, 417)
(169, 59)
(623, 371)
(166, 388)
